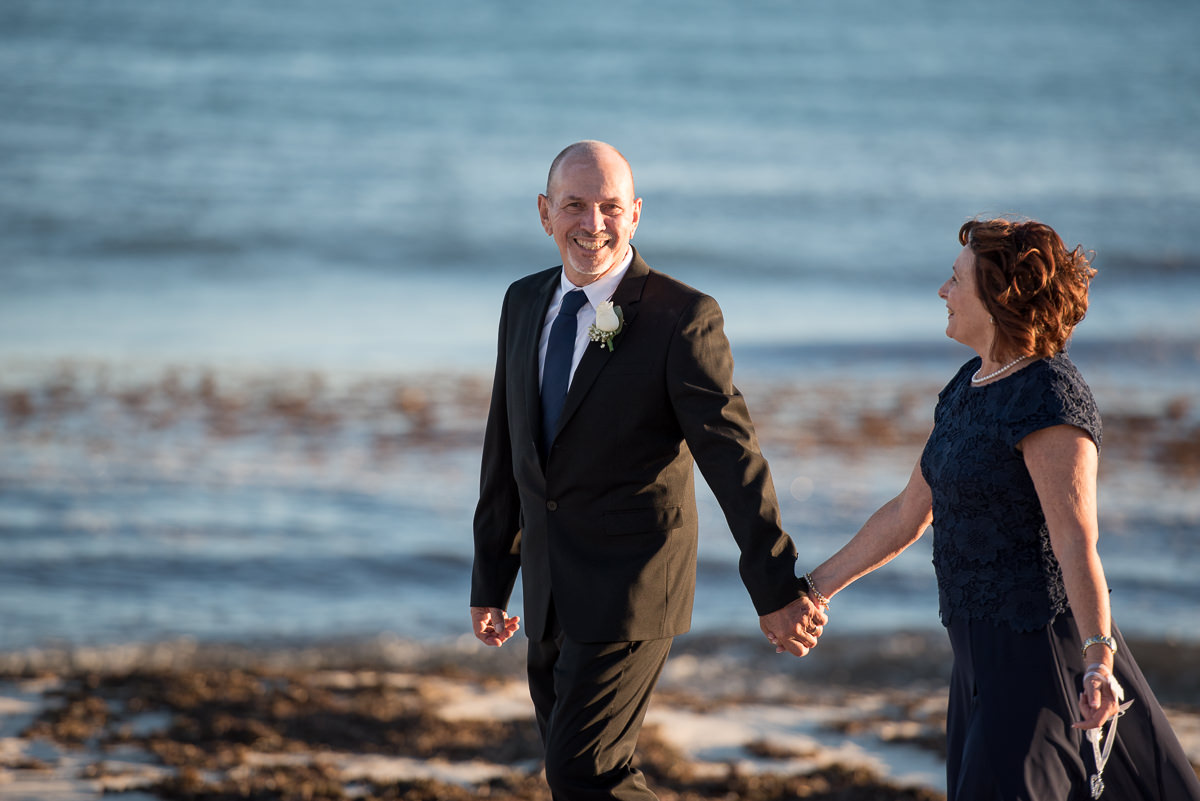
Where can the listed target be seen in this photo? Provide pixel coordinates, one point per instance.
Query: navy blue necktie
(556, 373)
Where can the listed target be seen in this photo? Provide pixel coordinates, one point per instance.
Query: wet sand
(396, 720)
(445, 731)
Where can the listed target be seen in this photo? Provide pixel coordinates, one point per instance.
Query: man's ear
(544, 214)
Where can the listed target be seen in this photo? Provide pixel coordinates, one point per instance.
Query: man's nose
(593, 219)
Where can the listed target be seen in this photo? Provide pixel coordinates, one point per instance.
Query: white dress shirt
(597, 292)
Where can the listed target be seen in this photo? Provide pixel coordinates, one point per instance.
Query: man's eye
(611, 210)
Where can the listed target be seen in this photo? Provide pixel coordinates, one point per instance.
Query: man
(589, 491)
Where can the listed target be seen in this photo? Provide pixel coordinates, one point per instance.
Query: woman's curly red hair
(1035, 289)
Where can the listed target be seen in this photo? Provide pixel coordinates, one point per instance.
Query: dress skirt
(1013, 698)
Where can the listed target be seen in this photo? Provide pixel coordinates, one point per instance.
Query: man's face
(591, 213)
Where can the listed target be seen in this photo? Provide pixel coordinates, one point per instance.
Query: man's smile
(591, 243)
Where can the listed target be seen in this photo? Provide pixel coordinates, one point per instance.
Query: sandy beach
(397, 720)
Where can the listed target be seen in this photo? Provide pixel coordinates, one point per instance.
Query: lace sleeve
(1053, 393)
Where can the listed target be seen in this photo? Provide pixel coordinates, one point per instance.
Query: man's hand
(493, 626)
(796, 627)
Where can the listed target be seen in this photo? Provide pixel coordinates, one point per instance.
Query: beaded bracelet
(821, 599)
(1108, 642)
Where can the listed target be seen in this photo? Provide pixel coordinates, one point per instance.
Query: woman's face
(968, 321)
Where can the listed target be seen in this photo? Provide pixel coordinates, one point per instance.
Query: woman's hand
(1101, 698)
(796, 627)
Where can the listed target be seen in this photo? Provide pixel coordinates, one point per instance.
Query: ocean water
(296, 203)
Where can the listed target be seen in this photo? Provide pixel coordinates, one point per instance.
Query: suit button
(552, 505)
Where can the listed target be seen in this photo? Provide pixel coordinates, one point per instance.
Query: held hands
(493, 626)
(796, 627)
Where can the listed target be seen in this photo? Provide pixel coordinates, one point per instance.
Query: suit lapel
(526, 349)
(627, 295)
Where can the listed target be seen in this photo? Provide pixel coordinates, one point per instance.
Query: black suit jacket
(606, 526)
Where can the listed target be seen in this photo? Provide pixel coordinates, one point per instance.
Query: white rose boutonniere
(610, 320)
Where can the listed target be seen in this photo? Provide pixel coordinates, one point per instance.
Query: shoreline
(98, 401)
(718, 667)
(390, 718)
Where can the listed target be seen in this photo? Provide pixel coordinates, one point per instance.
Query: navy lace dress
(1017, 661)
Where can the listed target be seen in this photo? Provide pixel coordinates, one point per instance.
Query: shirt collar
(602, 288)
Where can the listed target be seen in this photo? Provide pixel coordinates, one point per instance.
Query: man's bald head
(590, 150)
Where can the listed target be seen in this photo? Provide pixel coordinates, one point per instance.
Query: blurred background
(252, 258)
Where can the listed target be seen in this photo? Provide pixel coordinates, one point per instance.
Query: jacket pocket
(642, 521)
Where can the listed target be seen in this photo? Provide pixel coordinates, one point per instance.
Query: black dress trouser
(590, 700)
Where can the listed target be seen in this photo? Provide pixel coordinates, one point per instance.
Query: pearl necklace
(978, 379)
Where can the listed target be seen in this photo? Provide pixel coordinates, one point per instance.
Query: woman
(1008, 478)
